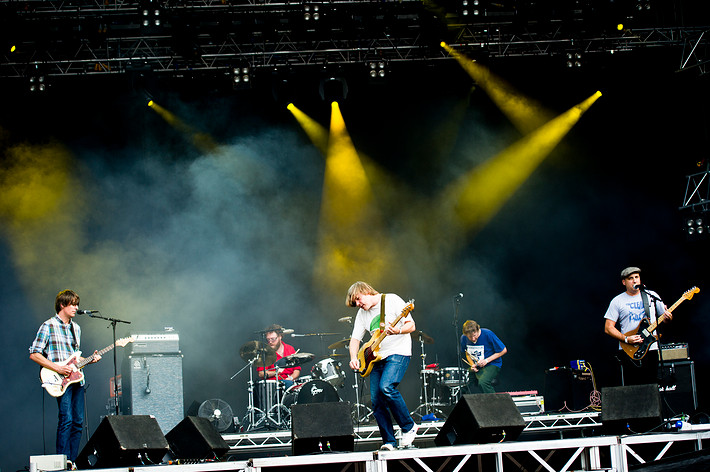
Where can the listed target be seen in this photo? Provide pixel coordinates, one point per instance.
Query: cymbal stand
(358, 407)
(426, 406)
(252, 411)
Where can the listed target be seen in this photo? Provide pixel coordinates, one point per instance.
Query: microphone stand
(457, 337)
(113, 321)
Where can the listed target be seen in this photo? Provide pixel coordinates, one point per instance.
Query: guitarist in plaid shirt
(56, 340)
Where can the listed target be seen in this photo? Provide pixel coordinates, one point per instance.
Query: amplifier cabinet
(677, 387)
(153, 385)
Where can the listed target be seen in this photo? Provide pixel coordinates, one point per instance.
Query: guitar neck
(90, 359)
(383, 334)
(652, 327)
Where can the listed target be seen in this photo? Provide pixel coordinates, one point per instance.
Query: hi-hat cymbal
(425, 337)
(346, 319)
(260, 353)
(294, 360)
(342, 343)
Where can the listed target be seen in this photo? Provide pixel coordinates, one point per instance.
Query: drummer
(274, 335)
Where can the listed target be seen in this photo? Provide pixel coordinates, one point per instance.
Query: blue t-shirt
(486, 345)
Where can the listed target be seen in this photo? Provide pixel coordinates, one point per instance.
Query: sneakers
(408, 438)
(387, 447)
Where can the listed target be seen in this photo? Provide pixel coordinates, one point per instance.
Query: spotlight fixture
(241, 77)
(377, 69)
(37, 81)
(697, 226)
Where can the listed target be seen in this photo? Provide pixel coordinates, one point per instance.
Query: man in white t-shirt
(395, 351)
(627, 310)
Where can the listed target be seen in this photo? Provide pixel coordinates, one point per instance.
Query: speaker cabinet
(152, 385)
(321, 427)
(196, 438)
(124, 441)
(482, 418)
(633, 407)
(678, 394)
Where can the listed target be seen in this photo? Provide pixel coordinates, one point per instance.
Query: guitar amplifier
(158, 343)
(677, 387)
(675, 351)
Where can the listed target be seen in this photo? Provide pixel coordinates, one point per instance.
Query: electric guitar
(56, 384)
(369, 352)
(471, 360)
(645, 329)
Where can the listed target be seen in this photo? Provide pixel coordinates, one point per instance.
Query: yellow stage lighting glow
(620, 27)
(526, 114)
(315, 131)
(12, 48)
(150, 103)
(476, 198)
(201, 141)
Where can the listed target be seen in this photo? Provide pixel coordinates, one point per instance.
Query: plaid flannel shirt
(55, 341)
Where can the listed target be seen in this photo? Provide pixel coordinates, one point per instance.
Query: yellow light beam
(200, 140)
(352, 244)
(525, 113)
(474, 199)
(315, 131)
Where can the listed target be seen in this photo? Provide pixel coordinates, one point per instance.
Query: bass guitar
(56, 384)
(369, 352)
(646, 330)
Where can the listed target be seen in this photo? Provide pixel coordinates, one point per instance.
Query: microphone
(294, 335)
(556, 368)
(86, 312)
(639, 287)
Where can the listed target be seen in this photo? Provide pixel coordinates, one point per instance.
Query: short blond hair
(470, 326)
(358, 288)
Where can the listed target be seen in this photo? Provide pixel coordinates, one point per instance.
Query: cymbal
(425, 337)
(260, 353)
(294, 360)
(346, 319)
(342, 343)
(333, 355)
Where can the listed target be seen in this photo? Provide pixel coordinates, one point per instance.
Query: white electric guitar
(56, 384)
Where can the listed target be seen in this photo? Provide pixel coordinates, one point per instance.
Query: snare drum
(329, 371)
(454, 376)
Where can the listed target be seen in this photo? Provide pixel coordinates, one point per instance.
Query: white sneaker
(387, 447)
(408, 438)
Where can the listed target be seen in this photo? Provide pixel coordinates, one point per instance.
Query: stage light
(241, 76)
(12, 48)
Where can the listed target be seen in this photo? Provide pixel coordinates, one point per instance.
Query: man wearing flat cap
(624, 314)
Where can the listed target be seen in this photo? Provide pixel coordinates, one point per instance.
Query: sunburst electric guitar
(369, 352)
(56, 384)
(646, 330)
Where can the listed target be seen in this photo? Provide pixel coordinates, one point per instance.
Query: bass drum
(315, 391)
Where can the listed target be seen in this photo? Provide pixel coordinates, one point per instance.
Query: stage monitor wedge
(121, 441)
(632, 408)
(321, 427)
(196, 438)
(481, 418)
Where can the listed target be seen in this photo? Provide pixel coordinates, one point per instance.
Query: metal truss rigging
(95, 37)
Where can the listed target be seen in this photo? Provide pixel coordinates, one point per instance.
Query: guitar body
(55, 383)
(369, 352)
(646, 329)
(638, 351)
(367, 357)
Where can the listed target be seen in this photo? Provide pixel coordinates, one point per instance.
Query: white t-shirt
(628, 311)
(369, 321)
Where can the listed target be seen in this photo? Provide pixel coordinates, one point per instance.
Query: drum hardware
(259, 352)
(294, 360)
(422, 337)
(360, 412)
(429, 398)
(342, 343)
(329, 371)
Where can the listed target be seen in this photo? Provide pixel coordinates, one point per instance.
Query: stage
(612, 453)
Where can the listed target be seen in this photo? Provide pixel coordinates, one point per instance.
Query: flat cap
(628, 271)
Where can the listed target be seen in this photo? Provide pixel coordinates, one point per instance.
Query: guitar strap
(646, 308)
(382, 314)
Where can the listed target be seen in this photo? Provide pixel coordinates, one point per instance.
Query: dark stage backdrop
(161, 232)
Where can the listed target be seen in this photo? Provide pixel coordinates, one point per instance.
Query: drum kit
(270, 400)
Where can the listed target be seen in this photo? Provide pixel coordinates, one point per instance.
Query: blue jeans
(71, 421)
(384, 379)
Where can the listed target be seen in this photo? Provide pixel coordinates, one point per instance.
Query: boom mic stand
(113, 321)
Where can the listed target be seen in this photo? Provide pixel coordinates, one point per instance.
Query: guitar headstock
(123, 341)
(689, 294)
(408, 308)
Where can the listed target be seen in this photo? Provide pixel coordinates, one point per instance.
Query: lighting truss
(99, 37)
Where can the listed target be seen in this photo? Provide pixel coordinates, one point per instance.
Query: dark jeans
(384, 379)
(71, 421)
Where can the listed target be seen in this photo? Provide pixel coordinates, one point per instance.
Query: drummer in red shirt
(274, 336)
